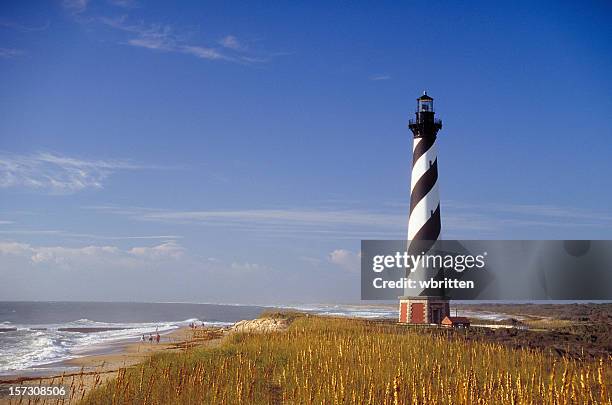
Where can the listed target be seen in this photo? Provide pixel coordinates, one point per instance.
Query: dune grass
(337, 361)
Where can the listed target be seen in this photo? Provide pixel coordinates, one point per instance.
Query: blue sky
(239, 151)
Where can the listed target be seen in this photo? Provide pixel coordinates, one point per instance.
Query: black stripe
(423, 146)
(431, 230)
(424, 185)
(418, 247)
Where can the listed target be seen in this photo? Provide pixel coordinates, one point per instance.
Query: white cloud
(231, 42)
(75, 6)
(380, 77)
(267, 216)
(167, 249)
(14, 248)
(313, 261)
(164, 38)
(105, 257)
(346, 259)
(160, 44)
(247, 267)
(153, 36)
(123, 3)
(204, 53)
(57, 174)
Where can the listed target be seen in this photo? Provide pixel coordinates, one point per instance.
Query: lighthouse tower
(424, 221)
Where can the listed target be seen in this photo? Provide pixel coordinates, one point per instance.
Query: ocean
(36, 337)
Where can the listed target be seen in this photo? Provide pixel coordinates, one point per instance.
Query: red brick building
(423, 310)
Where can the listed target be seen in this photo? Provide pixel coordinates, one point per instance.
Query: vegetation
(282, 314)
(337, 361)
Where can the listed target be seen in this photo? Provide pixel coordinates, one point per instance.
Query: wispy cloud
(93, 256)
(248, 267)
(167, 256)
(204, 53)
(531, 220)
(380, 77)
(536, 214)
(81, 236)
(231, 42)
(553, 211)
(10, 53)
(158, 272)
(75, 6)
(124, 3)
(154, 36)
(314, 217)
(459, 220)
(56, 173)
(164, 38)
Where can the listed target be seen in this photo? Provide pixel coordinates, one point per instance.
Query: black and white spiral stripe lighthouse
(424, 222)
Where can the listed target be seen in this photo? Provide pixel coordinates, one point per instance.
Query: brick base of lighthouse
(423, 310)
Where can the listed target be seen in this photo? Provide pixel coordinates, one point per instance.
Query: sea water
(35, 335)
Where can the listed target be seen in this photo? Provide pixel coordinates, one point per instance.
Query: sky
(237, 152)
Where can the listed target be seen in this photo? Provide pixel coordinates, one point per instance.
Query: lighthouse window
(425, 106)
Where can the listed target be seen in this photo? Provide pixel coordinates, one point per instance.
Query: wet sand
(89, 371)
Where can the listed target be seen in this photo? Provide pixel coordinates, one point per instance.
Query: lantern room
(425, 103)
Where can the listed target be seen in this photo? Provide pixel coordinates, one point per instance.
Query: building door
(435, 316)
(417, 313)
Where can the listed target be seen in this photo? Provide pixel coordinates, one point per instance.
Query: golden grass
(341, 361)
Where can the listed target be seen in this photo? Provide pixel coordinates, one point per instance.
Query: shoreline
(99, 357)
(90, 370)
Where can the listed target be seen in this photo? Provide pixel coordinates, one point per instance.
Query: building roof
(424, 97)
(457, 319)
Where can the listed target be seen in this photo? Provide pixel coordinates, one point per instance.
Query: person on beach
(150, 338)
(142, 339)
(157, 338)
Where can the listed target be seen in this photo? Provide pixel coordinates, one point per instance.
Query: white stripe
(422, 211)
(415, 143)
(421, 165)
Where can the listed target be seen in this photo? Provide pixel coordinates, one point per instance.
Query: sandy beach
(84, 373)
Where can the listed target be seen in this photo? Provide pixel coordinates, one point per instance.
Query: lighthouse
(424, 223)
